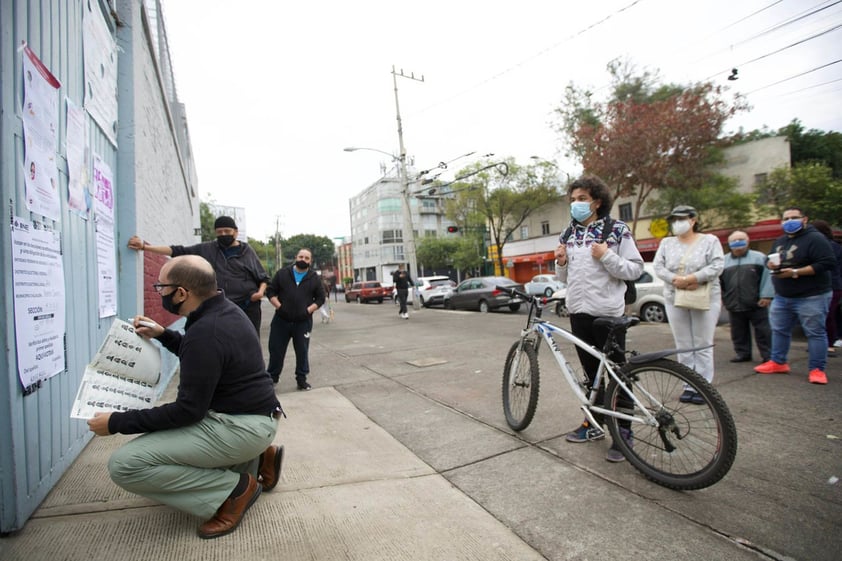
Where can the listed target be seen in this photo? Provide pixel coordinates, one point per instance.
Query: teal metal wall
(38, 439)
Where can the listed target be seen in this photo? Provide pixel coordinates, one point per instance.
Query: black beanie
(224, 222)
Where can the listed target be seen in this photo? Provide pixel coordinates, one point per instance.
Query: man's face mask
(225, 241)
(301, 264)
(168, 304)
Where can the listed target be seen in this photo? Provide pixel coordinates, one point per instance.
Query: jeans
(811, 312)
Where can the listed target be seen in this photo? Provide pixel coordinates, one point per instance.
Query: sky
(274, 91)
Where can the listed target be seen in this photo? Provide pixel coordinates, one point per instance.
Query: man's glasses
(159, 286)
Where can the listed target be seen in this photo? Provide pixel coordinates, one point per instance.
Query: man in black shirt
(402, 282)
(238, 269)
(209, 453)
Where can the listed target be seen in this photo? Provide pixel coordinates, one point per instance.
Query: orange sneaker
(817, 376)
(772, 367)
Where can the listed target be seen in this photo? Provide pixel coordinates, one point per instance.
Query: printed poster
(106, 258)
(38, 281)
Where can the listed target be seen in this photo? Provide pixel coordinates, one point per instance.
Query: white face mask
(680, 227)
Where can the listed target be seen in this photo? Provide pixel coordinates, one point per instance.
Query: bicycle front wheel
(520, 385)
(694, 444)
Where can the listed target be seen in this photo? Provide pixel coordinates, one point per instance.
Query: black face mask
(225, 241)
(302, 265)
(168, 304)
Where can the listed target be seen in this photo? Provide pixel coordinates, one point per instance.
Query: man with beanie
(209, 453)
(747, 292)
(296, 292)
(238, 270)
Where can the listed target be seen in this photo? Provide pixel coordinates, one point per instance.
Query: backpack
(631, 287)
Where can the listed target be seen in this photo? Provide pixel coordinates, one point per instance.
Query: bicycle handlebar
(511, 291)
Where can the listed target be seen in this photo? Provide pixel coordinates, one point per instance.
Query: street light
(408, 232)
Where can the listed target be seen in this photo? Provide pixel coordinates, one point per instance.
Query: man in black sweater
(802, 294)
(296, 292)
(403, 282)
(209, 453)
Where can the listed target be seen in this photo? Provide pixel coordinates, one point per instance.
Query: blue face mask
(580, 210)
(793, 226)
(737, 244)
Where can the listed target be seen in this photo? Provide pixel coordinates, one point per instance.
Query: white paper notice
(77, 158)
(100, 52)
(122, 376)
(105, 248)
(38, 276)
(40, 132)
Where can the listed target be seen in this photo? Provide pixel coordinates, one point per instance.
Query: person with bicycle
(595, 256)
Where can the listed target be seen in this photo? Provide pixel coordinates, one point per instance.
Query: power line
(795, 76)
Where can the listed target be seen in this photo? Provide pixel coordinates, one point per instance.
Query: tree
(485, 197)
(206, 220)
(809, 186)
(461, 252)
(649, 139)
(321, 246)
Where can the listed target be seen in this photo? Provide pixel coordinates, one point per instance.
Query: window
(760, 178)
(385, 206)
(545, 227)
(524, 232)
(626, 212)
(391, 236)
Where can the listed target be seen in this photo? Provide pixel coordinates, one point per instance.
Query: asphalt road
(434, 383)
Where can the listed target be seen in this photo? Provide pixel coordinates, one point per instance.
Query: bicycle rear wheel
(520, 384)
(693, 446)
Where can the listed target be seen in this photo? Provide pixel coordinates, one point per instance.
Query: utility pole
(278, 263)
(408, 232)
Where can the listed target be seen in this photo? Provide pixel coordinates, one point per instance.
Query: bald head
(738, 242)
(191, 272)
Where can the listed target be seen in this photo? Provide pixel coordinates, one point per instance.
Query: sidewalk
(348, 491)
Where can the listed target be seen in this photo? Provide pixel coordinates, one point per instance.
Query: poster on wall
(40, 131)
(100, 52)
(78, 178)
(105, 249)
(38, 285)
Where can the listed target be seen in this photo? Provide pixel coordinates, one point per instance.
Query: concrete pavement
(400, 452)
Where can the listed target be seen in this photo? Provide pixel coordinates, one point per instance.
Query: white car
(544, 284)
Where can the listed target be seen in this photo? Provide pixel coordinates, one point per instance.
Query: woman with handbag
(690, 263)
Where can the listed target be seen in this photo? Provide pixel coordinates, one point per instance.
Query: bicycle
(683, 446)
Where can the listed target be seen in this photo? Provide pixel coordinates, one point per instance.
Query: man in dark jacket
(802, 294)
(295, 292)
(403, 282)
(209, 452)
(238, 269)
(747, 292)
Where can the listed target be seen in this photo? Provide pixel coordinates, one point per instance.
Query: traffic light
(452, 229)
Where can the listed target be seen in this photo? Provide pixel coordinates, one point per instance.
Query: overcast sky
(275, 90)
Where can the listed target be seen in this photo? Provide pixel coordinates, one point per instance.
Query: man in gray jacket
(746, 293)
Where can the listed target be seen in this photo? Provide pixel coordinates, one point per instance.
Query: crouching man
(209, 453)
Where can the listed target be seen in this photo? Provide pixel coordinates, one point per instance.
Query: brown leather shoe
(230, 514)
(269, 472)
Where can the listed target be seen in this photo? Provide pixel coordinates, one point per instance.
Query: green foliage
(321, 246)
(809, 186)
(206, 219)
(436, 253)
(814, 146)
(720, 203)
(501, 202)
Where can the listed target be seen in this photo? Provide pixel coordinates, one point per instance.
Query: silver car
(481, 294)
(544, 285)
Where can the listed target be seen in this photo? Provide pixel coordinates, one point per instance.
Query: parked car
(481, 294)
(434, 290)
(543, 285)
(366, 291)
(649, 305)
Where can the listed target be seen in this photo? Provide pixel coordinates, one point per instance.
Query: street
(434, 383)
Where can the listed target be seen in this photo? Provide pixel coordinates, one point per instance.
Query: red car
(366, 291)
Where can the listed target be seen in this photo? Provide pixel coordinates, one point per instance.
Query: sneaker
(304, 387)
(614, 454)
(817, 376)
(772, 367)
(690, 396)
(585, 433)
(837, 343)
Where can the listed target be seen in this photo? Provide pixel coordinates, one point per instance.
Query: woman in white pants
(691, 261)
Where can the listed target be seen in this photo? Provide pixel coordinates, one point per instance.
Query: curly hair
(598, 190)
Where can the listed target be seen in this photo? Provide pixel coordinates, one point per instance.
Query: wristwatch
(795, 273)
